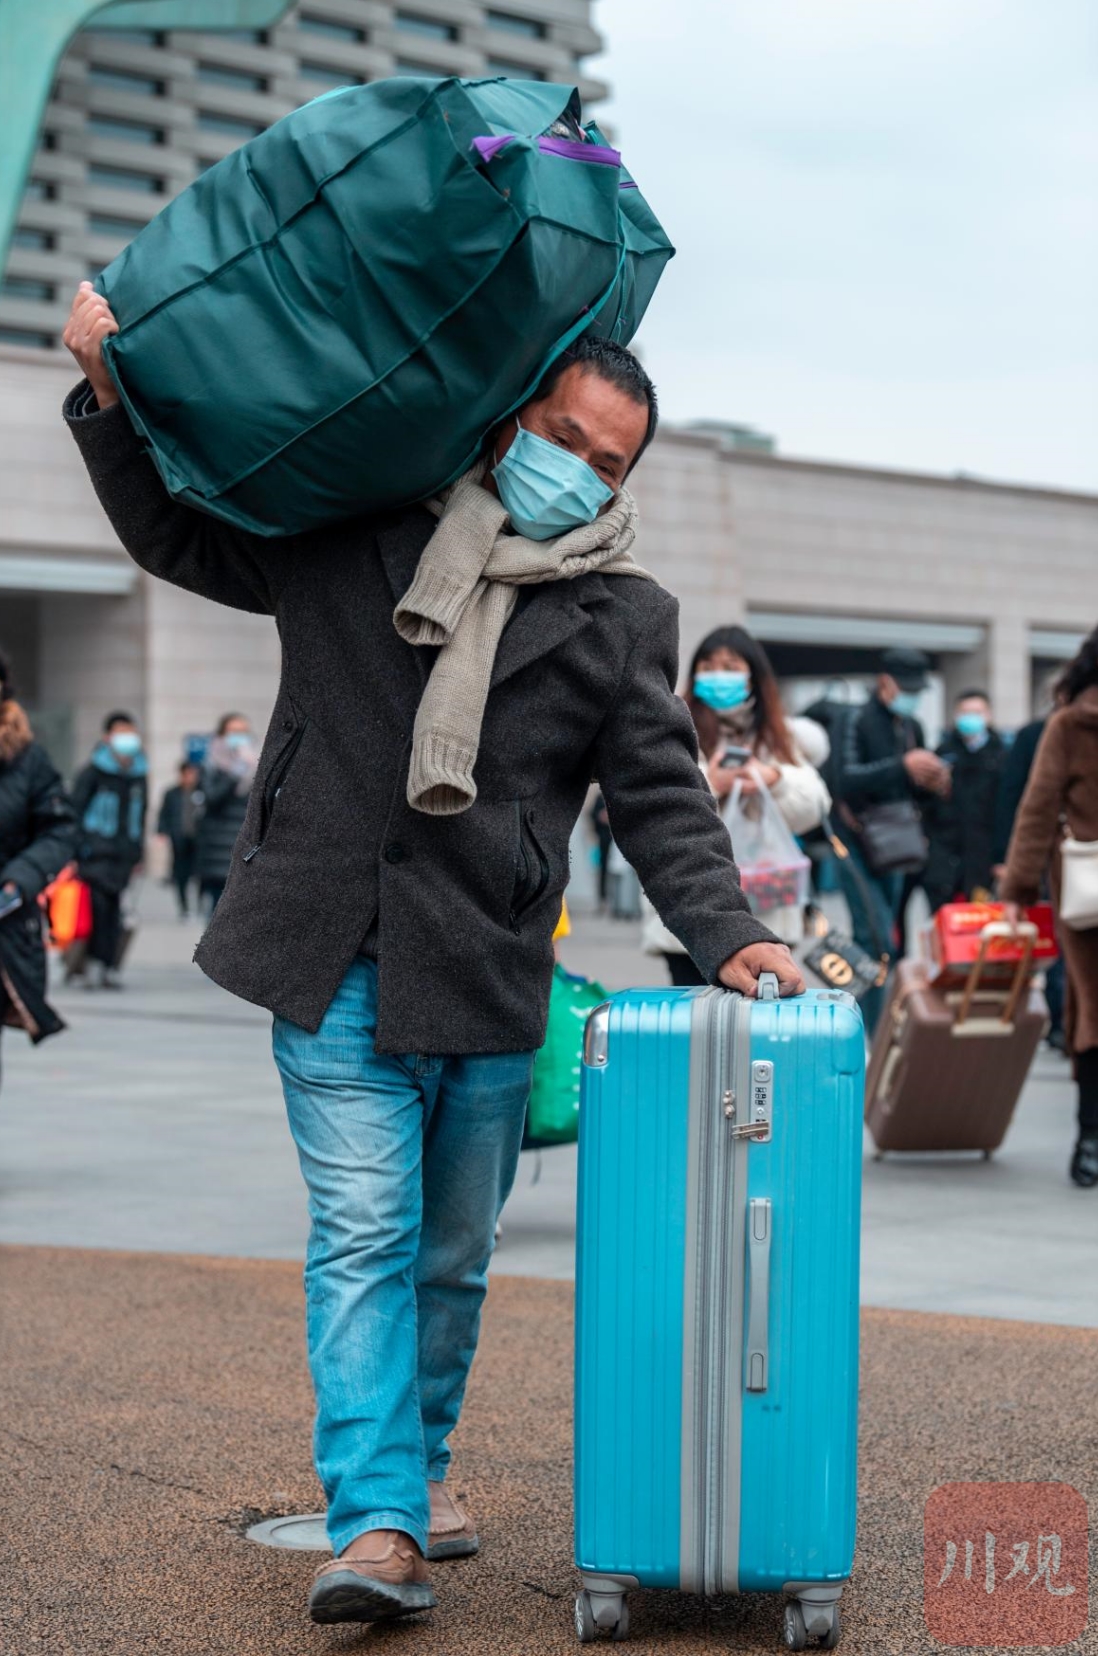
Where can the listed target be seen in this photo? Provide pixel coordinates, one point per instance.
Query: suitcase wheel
(796, 1634)
(796, 1627)
(613, 1618)
(834, 1632)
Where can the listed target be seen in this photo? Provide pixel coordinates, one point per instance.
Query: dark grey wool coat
(464, 906)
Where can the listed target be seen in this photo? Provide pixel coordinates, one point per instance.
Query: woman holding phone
(37, 839)
(746, 739)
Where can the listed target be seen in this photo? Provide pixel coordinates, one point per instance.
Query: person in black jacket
(960, 825)
(1017, 764)
(881, 758)
(37, 839)
(110, 797)
(398, 879)
(178, 823)
(224, 789)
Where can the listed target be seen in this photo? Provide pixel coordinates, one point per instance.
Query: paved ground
(154, 1406)
(156, 1123)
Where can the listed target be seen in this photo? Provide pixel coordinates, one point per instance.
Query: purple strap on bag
(487, 148)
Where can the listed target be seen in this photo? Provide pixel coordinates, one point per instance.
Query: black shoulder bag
(892, 835)
(835, 958)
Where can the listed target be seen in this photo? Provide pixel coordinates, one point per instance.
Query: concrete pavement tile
(153, 1406)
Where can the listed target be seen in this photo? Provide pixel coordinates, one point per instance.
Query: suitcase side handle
(759, 1230)
(768, 986)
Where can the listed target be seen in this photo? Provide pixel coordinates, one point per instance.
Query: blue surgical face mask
(546, 490)
(971, 724)
(722, 690)
(238, 739)
(904, 703)
(126, 743)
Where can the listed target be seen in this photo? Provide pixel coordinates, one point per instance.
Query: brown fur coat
(1062, 792)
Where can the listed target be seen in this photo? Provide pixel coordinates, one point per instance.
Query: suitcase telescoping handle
(1027, 931)
(759, 1228)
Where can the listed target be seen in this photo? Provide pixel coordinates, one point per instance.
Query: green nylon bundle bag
(552, 1115)
(331, 319)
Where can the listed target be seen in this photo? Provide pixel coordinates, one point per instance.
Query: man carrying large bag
(453, 676)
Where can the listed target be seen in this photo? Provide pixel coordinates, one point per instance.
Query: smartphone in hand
(733, 757)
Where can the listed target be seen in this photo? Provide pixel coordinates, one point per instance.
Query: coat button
(287, 724)
(395, 853)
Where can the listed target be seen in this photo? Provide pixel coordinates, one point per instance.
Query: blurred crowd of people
(203, 812)
(978, 817)
(94, 833)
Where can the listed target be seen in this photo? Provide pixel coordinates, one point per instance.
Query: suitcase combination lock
(760, 1105)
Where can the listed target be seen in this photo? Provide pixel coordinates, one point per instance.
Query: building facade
(827, 563)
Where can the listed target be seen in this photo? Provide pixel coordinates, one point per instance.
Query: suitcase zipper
(718, 1193)
(716, 1271)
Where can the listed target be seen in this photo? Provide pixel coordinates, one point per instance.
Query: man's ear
(501, 439)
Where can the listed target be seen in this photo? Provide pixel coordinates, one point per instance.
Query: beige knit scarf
(461, 598)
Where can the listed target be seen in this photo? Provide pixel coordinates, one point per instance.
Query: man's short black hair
(613, 363)
(117, 718)
(972, 695)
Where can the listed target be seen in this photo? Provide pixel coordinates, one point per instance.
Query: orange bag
(68, 904)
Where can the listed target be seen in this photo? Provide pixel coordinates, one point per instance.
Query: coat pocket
(273, 784)
(532, 867)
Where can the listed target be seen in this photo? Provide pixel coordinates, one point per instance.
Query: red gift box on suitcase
(957, 937)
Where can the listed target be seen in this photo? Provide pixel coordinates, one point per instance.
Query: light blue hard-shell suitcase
(717, 1301)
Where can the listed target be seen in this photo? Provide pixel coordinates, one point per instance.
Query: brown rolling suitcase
(947, 1066)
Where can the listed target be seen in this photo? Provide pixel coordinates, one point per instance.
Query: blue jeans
(873, 928)
(408, 1162)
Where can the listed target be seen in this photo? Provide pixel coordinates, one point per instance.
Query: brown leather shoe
(381, 1574)
(453, 1533)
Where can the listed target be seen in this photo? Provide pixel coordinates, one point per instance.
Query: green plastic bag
(331, 319)
(552, 1116)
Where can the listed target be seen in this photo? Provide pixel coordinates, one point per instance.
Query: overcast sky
(887, 222)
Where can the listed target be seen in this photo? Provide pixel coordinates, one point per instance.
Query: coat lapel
(400, 542)
(553, 613)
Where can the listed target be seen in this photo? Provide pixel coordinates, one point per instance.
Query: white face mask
(905, 703)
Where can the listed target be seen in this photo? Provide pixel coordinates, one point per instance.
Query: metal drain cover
(305, 1532)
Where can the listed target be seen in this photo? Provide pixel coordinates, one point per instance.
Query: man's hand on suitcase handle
(743, 969)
